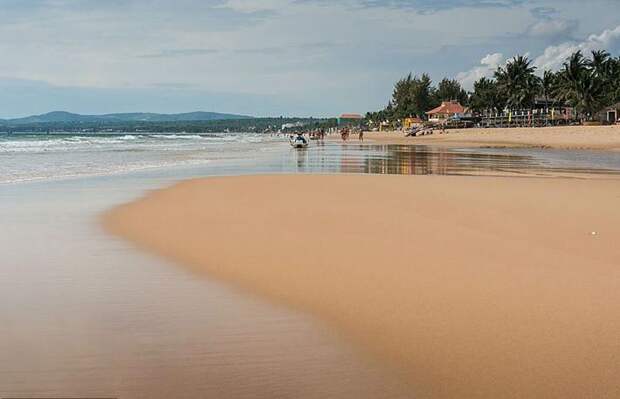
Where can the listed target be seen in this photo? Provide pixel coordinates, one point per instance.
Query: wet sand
(85, 315)
(566, 137)
(472, 287)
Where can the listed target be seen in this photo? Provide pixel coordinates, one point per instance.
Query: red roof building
(446, 110)
(351, 116)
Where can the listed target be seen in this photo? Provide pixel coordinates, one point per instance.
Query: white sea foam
(37, 157)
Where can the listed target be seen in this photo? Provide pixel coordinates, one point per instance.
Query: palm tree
(580, 86)
(518, 82)
(486, 96)
(547, 85)
(614, 78)
(600, 63)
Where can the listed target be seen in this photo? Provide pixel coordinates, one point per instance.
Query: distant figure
(344, 133)
(361, 135)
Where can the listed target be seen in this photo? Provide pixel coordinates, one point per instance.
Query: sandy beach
(470, 287)
(566, 137)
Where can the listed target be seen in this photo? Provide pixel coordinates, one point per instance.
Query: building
(350, 120)
(408, 123)
(292, 125)
(610, 115)
(447, 109)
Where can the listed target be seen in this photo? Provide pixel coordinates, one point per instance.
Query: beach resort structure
(292, 125)
(540, 115)
(409, 123)
(447, 110)
(350, 120)
(610, 115)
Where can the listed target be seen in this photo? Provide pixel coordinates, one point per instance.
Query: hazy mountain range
(67, 117)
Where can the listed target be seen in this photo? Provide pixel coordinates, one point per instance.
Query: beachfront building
(610, 115)
(447, 110)
(409, 123)
(294, 125)
(350, 120)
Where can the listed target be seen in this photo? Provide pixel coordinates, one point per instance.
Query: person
(361, 134)
(300, 137)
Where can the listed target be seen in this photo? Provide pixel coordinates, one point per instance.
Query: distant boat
(298, 141)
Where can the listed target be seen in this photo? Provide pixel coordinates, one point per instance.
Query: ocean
(35, 157)
(84, 314)
(27, 157)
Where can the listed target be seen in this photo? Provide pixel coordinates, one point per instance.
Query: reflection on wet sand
(424, 160)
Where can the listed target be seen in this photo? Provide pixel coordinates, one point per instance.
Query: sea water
(84, 314)
(35, 157)
(27, 157)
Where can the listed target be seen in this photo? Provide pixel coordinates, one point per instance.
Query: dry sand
(473, 287)
(568, 137)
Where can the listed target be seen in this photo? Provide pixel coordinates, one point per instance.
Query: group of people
(318, 134)
(346, 132)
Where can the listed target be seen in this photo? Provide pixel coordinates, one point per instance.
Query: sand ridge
(605, 138)
(473, 287)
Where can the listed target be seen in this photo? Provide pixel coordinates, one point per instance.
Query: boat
(298, 141)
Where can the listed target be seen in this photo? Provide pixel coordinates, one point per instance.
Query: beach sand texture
(565, 137)
(471, 287)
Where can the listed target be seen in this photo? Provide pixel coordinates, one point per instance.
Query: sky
(272, 57)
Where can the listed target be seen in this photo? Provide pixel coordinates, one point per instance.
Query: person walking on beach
(361, 135)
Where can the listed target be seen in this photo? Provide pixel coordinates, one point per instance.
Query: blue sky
(271, 57)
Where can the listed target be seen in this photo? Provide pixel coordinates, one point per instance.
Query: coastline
(472, 287)
(602, 138)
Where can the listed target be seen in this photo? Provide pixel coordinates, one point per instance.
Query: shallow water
(426, 160)
(28, 157)
(85, 314)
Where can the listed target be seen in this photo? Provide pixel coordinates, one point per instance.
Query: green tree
(518, 82)
(422, 94)
(412, 96)
(486, 96)
(548, 85)
(580, 86)
(451, 89)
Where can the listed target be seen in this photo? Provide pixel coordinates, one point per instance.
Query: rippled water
(45, 157)
(38, 157)
(334, 157)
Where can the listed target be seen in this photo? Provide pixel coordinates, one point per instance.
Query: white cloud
(553, 28)
(554, 56)
(488, 65)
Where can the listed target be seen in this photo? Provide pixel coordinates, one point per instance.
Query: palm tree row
(585, 84)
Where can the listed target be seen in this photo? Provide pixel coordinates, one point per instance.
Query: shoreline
(508, 311)
(599, 138)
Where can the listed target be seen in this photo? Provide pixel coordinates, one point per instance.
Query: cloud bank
(552, 58)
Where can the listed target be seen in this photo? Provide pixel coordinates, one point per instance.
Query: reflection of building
(350, 120)
(446, 110)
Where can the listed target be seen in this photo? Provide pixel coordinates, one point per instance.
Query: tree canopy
(588, 84)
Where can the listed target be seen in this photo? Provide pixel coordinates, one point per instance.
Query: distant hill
(67, 117)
